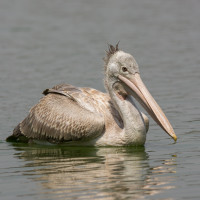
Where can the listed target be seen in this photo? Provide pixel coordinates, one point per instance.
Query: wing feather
(68, 113)
(60, 118)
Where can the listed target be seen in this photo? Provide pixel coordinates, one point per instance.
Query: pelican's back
(66, 113)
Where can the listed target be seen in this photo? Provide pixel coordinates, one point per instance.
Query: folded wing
(64, 114)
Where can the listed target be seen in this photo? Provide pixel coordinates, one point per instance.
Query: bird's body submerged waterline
(87, 117)
(75, 116)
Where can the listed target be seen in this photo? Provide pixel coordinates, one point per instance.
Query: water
(43, 43)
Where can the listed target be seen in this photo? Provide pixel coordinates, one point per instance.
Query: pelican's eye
(124, 69)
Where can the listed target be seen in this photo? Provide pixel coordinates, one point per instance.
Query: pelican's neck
(134, 127)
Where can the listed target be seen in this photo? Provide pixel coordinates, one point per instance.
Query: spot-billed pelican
(85, 116)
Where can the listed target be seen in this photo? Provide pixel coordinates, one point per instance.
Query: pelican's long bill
(140, 92)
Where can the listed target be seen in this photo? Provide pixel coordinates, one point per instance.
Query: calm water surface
(43, 43)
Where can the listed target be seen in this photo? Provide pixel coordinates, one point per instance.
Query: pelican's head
(122, 75)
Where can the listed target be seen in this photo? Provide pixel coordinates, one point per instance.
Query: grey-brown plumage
(110, 52)
(85, 116)
(66, 113)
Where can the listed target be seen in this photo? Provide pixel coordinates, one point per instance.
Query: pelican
(84, 116)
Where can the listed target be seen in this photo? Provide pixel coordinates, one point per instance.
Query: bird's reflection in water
(90, 173)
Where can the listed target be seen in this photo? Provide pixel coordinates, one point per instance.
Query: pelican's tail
(17, 136)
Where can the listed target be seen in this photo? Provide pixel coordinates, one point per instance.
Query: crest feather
(110, 52)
